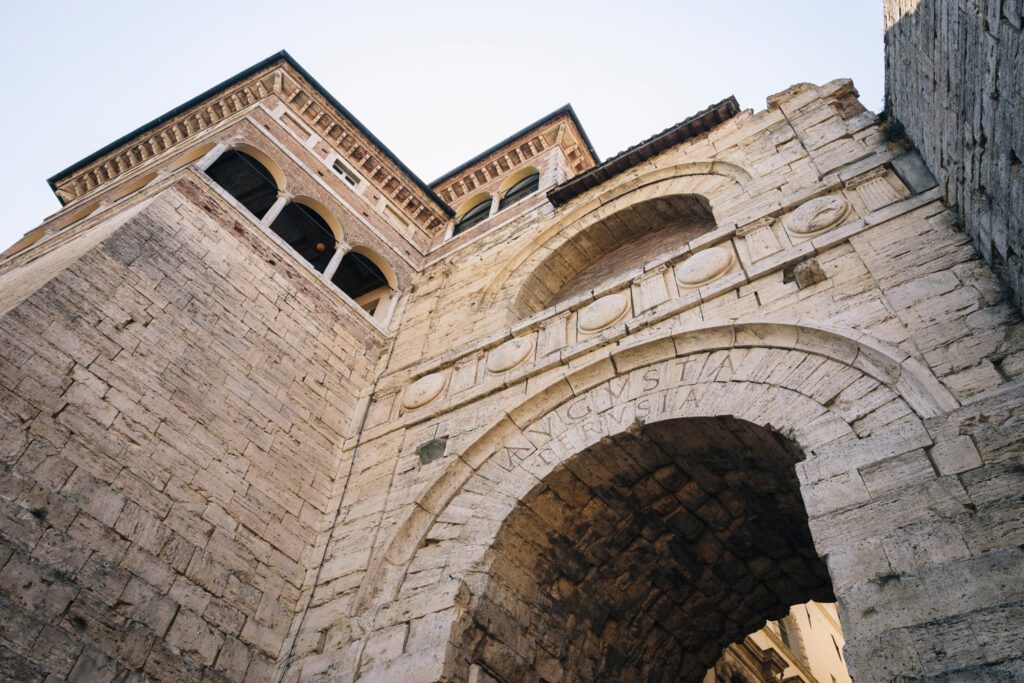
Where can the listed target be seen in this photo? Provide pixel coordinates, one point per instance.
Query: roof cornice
(564, 110)
(695, 125)
(560, 128)
(224, 99)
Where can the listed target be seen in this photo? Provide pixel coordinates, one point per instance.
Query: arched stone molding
(323, 212)
(473, 201)
(268, 162)
(719, 182)
(394, 281)
(514, 178)
(714, 370)
(201, 155)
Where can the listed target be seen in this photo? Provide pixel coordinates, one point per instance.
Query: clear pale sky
(437, 82)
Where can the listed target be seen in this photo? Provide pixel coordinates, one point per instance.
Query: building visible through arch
(275, 408)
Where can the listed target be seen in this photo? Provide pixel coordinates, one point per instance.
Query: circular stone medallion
(818, 215)
(704, 266)
(509, 355)
(603, 312)
(424, 390)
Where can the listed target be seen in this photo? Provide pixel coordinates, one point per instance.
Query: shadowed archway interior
(613, 246)
(642, 557)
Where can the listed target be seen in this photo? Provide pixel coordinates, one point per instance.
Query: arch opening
(523, 184)
(805, 646)
(643, 557)
(307, 232)
(365, 282)
(613, 246)
(246, 179)
(473, 212)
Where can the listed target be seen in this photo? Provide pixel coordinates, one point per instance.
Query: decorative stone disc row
(508, 356)
(705, 266)
(604, 312)
(818, 215)
(811, 218)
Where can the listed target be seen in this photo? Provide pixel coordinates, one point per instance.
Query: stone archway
(842, 400)
(642, 557)
(809, 382)
(719, 183)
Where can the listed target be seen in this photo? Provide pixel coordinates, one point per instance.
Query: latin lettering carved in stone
(604, 312)
(818, 215)
(510, 354)
(424, 390)
(704, 266)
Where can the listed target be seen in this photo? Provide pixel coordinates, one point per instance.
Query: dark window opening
(245, 179)
(475, 215)
(345, 174)
(358, 275)
(524, 187)
(306, 232)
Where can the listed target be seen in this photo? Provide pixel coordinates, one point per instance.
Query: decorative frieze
(817, 215)
(382, 406)
(653, 288)
(465, 373)
(559, 131)
(704, 266)
(604, 312)
(553, 335)
(510, 354)
(304, 102)
(424, 390)
(874, 189)
(162, 138)
(549, 335)
(760, 239)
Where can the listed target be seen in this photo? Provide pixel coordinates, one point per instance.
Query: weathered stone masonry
(954, 80)
(799, 381)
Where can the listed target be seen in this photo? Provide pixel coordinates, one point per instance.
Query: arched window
(306, 232)
(476, 213)
(364, 282)
(245, 179)
(519, 190)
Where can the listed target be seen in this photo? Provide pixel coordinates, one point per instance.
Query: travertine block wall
(174, 399)
(213, 463)
(953, 79)
(892, 480)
